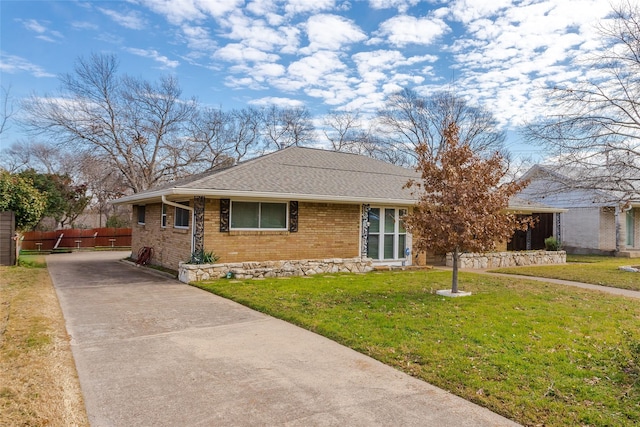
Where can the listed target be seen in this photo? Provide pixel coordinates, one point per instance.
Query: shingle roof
(299, 173)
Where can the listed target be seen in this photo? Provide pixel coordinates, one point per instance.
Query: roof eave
(156, 196)
(535, 209)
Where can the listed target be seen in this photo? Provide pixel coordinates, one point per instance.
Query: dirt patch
(38, 380)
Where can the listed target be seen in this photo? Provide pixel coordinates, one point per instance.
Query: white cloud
(35, 26)
(512, 48)
(198, 38)
(275, 100)
(130, 20)
(218, 8)
(402, 30)
(401, 5)
(42, 31)
(257, 34)
(294, 7)
(15, 64)
(237, 52)
(331, 32)
(153, 54)
(314, 68)
(266, 9)
(83, 25)
(179, 11)
(467, 11)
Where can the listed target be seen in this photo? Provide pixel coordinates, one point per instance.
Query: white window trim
(163, 216)
(175, 217)
(286, 227)
(396, 233)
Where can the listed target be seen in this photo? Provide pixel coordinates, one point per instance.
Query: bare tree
(592, 129)
(244, 132)
(6, 108)
(284, 127)
(209, 131)
(42, 157)
(462, 200)
(344, 130)
(409, 121)
(136, 125)
(104, 185)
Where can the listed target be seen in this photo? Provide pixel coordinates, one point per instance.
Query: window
(181, 219)
(387, 237)
(163, 219)
(141, 214)
(258, 215)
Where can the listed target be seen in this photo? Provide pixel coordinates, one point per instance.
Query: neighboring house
(595, 222)
(293, 204)
(548, 224)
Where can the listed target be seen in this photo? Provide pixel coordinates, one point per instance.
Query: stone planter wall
(256, 270)
(507, 259)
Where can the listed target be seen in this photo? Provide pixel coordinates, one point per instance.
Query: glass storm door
(630, 228)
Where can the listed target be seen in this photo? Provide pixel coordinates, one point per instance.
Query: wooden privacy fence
(77, 238)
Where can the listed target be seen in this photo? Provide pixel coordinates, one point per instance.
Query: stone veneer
(257, 270)
(479, 261)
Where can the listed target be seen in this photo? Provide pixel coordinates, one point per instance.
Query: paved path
(605, 289)
(151, 351)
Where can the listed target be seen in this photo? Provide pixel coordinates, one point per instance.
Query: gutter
(229, 194)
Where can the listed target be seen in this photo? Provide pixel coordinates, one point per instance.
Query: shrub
(551, 244)
(203, 257)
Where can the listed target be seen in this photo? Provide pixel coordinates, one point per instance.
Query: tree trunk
(454, 277)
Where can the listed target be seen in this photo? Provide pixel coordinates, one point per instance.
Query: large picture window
(258, 215)
(181, 218)
(387, 239)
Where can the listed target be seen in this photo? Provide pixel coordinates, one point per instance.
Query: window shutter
(293, 216)
(224, 215)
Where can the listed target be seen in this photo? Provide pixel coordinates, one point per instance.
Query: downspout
(189, 208)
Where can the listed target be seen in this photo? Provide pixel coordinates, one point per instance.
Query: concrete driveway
(151, 351)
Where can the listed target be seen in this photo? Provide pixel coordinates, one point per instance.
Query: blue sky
(323, 54)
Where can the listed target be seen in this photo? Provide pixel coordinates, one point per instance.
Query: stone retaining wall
(256, 270)
(480, 261)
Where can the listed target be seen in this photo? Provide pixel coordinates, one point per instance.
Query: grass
(38, 380)
(594, 269)
(539, 354)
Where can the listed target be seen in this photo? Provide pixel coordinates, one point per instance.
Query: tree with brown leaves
(462, 201)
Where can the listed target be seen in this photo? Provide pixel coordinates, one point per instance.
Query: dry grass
(38, 380)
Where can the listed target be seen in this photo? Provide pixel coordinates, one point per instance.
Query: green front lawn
(537, 353)
(597, 270)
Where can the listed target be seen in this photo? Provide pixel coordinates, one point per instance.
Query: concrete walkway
(605, 289)
(151, 351)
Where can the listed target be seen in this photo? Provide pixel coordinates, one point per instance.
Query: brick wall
(608, 229)
(171, 245)
(325, 230)
(580, 228)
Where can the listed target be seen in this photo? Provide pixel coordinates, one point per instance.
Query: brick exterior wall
(608, 229)
(579, 228)
(325, 230)
(170, 245)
